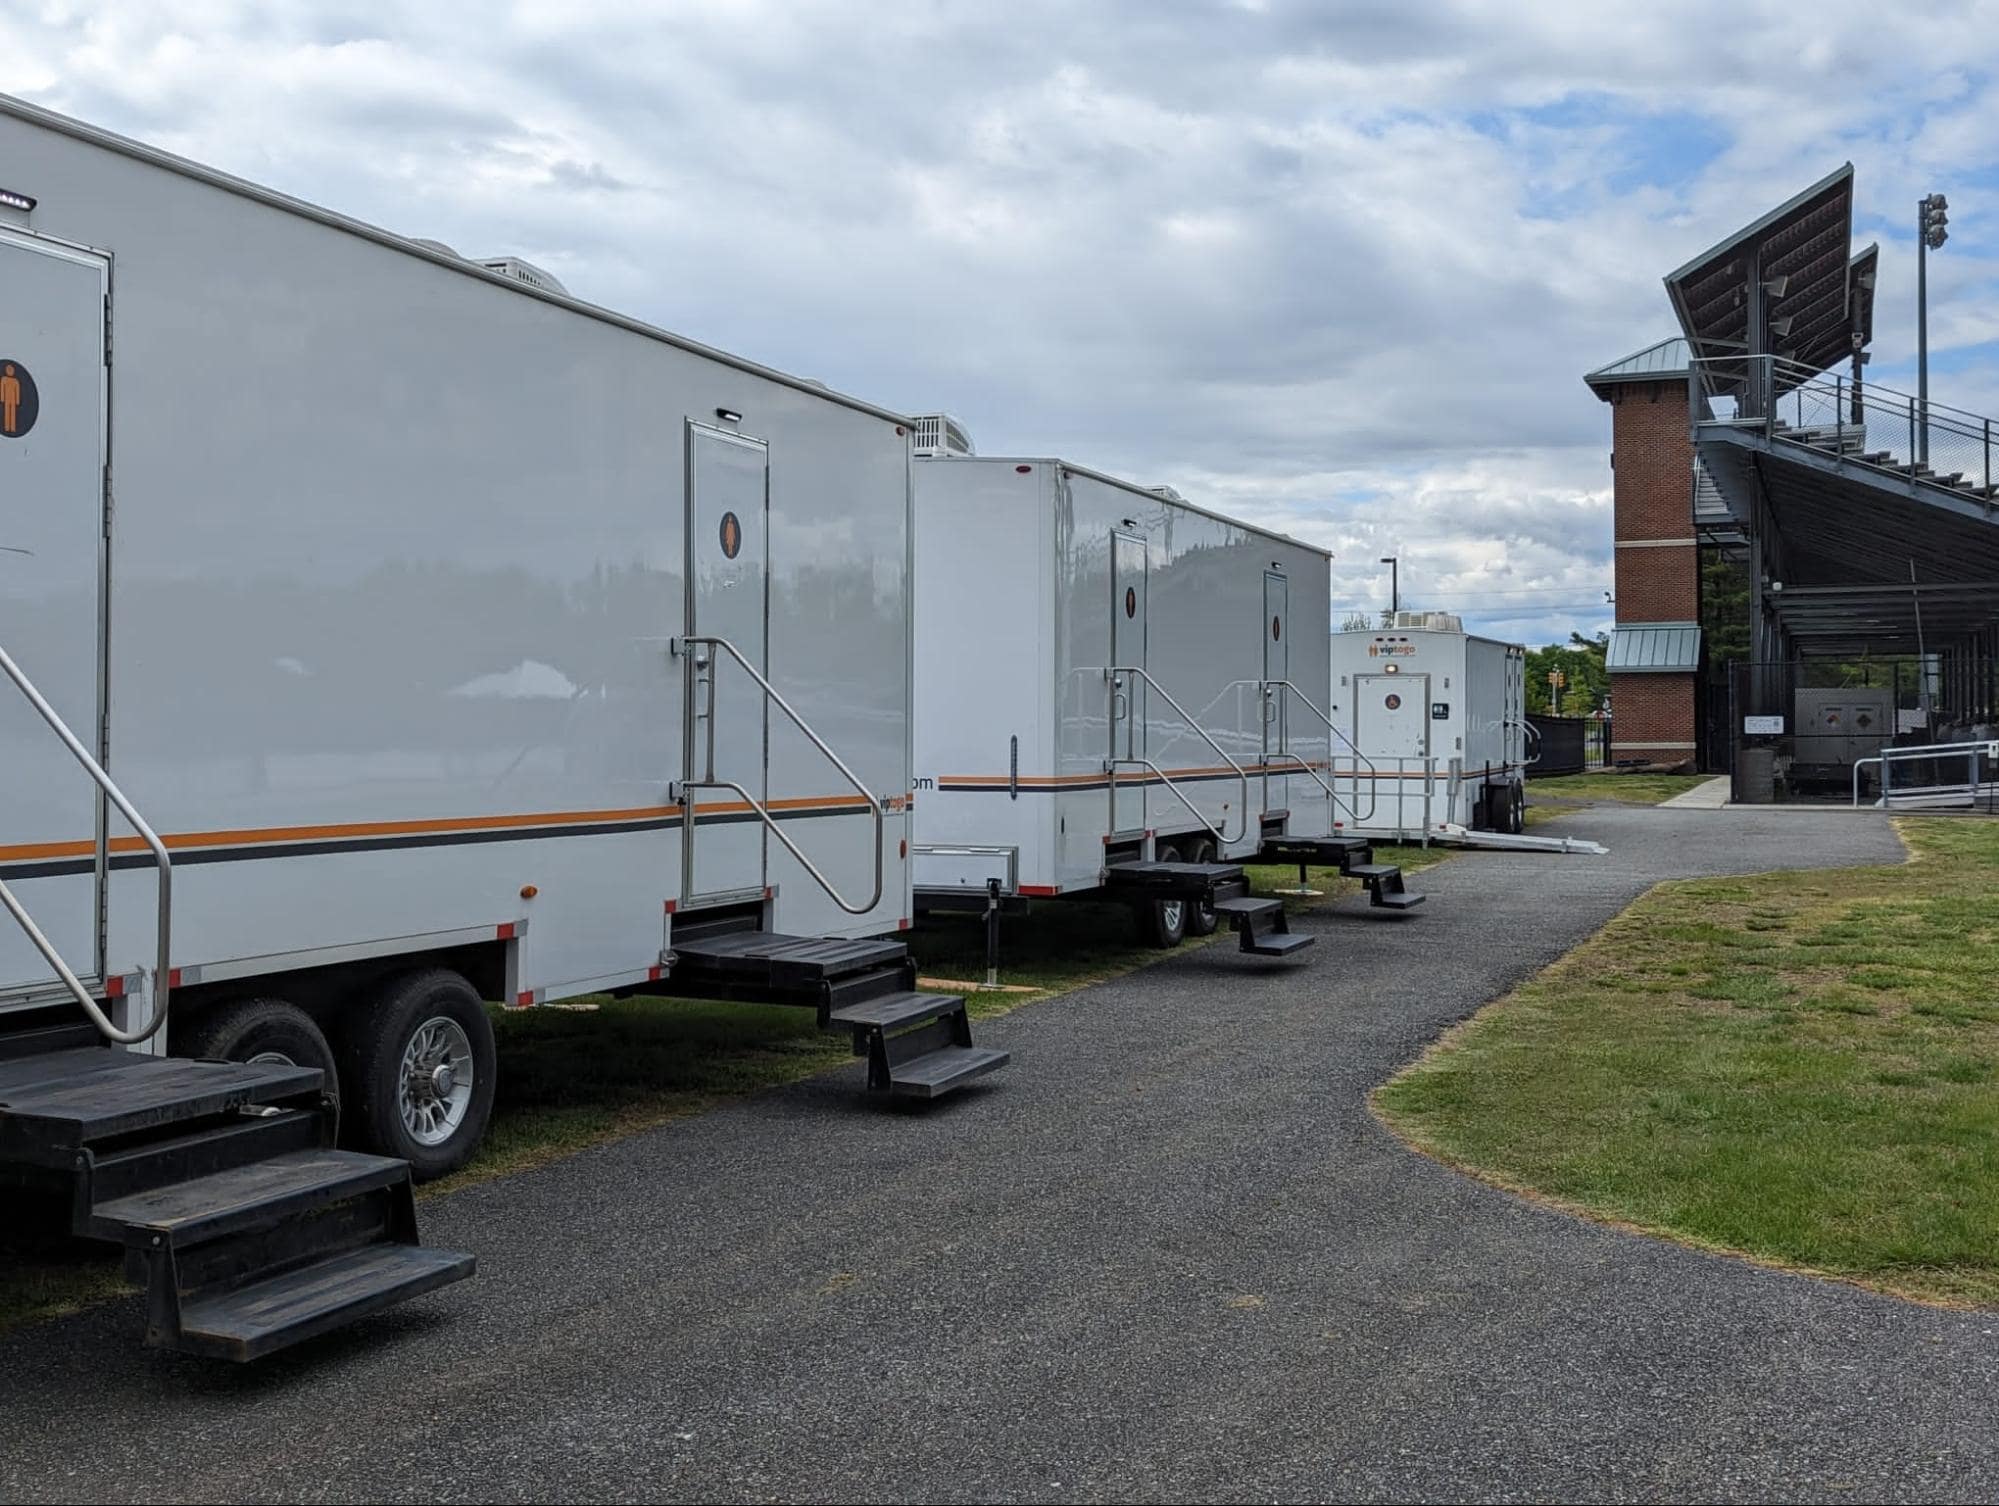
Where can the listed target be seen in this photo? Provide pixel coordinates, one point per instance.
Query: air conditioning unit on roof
(1429, 622)
(940, 434)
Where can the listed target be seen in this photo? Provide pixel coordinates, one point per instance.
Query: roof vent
(1168, 493)
(1429, 622)
(430, 245)
(940, 434)
(524, 271)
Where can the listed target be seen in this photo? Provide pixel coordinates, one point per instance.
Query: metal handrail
(1974, 435)
(694, 667)
(1985, 747)
(1526, 760)
(1242, 774)
(159, 993)
(1353, 805)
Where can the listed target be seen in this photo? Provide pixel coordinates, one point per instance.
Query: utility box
(1836, 729)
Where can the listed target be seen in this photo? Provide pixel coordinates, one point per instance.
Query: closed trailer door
(728, 575)
(1276, 697)
(1128, 741)
(1392, 727)
(53, 379)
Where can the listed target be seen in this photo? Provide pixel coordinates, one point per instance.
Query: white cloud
(1337, 268)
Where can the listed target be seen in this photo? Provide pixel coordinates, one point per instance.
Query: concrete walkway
(1166, 1254)
(1711, 795)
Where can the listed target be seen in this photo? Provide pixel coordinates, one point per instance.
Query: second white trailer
(1112, 685)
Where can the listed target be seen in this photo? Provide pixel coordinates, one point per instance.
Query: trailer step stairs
(1260, 923)
(248, 1229)
(918, 1045)
(1387, 886)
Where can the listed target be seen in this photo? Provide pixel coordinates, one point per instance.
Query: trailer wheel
(421, 1067)
(1201, 918)
(1516, 808)
(1164, 921)
(261, 1031)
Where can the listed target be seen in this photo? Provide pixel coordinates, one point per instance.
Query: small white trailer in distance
(1437, 723)
(1115, 689)
(387, 633)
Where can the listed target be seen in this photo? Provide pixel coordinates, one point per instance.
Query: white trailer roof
(1138, 491)
(20, 109)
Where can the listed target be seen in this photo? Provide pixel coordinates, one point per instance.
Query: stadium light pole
(1930, 235)
(1394, 586)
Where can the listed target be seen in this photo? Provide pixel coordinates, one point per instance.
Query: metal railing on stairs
(700, 701)
(1333, 801)
(161, 983)
(1979, 761)
(1117, 692)
(1859, 423)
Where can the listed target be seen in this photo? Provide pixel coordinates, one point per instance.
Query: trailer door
(53, 378)
(1392, 727)
(728, 559)
(1128, 704)
(1277, 699)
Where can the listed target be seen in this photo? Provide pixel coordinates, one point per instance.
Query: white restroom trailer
(1105, 673)
(437, 621)
(1437, 724)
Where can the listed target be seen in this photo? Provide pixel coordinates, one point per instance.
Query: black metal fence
(1570, 744)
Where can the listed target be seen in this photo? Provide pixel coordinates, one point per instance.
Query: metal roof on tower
(1660, 362)
(1781, 285)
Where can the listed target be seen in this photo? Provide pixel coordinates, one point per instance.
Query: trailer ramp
(248, 1229)
(1465, 836)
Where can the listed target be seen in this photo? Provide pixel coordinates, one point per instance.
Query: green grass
(1620, 789)
(1799, 1067)
(594, 1070)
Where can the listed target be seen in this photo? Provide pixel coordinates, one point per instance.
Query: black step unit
(917, 1044)
(1387, 887)
(772, 968)
(220, 1181)
(1195, 881)
(1262, 924)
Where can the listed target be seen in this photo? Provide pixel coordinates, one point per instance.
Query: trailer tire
(261, 1030)
(1201, 918)
(409, 1052)
(1516, 808)
(1164, 921)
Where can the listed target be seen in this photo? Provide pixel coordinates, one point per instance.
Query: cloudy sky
(1337, 268)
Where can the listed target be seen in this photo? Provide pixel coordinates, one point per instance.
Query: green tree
(1586, 684)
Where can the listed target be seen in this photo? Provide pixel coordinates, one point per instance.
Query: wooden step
(247, 1322)
(70, 1099)
(1276, 943)
(243, 1197)
(941, 1072)
(893, 1010)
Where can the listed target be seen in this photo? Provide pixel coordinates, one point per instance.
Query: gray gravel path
(1166, 1254)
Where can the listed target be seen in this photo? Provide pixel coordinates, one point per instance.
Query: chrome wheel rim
(434, 1088)
(1173, 913)
(270, 1059)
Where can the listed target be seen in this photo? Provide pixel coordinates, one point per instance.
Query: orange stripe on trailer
(256, 836)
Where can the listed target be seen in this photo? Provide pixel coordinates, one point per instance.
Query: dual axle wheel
(412, 1075)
